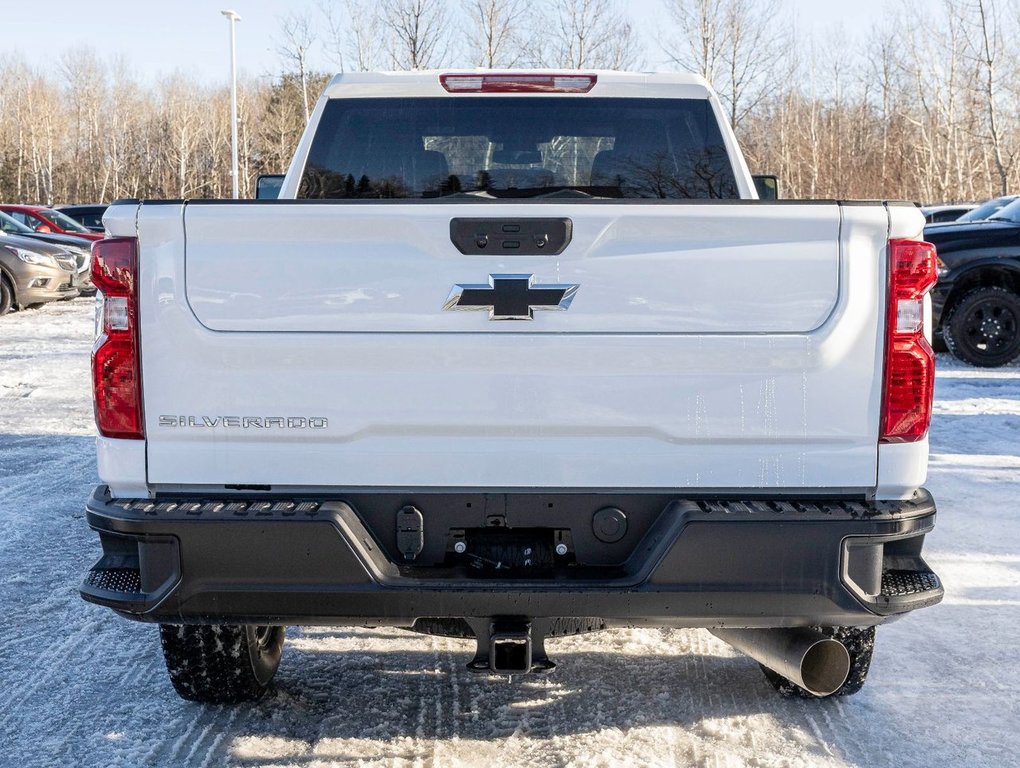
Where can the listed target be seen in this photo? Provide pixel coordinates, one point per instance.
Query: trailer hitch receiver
(508, 647)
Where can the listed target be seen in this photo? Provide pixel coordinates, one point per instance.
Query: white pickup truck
(515, 355)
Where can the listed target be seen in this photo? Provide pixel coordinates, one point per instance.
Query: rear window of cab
(518, 147)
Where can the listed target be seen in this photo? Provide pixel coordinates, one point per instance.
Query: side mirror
(767, 186)
(267, 186)
(44, 228)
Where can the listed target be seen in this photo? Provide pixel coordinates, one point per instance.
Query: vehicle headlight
(940, 267)
(31, 257)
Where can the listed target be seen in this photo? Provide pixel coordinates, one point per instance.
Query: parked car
(89, 216)
(32, 272)
(976, 303)
(987, 209)
(42, 219)
(939, 214)
(80, 247)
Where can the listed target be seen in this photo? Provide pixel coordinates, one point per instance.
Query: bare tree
(353, 33)
(941, 106)
(589, 34)
(989, 54)
(417, 32)
(885, 71)
(496, 31)
(38, 108)
(298, 37)
(179, 119)
(735, 44)
(698, 43)
(125, 137)
(85, 81)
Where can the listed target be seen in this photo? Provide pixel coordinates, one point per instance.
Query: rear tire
(860, 644)
(6, 296)
(983, 327)
(221, 663)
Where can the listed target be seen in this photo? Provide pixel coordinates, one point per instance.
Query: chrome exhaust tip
(818, 664)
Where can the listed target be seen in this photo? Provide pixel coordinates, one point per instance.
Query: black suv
(977, 300)
(89, 216)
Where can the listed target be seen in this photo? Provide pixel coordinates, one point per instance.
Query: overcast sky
(157, 38)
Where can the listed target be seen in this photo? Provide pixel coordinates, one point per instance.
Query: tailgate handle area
(528, 237)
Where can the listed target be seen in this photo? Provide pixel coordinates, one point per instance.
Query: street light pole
(233, 18)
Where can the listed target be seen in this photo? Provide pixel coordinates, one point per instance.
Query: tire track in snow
(159, 746)
(197, 743)
(205, 728)
(177, 745)
(439, 693)
(452, 692)
(145, 671)
(812, 723)
(43, 669)
(213, 749)
(456, 711)
(853, 739)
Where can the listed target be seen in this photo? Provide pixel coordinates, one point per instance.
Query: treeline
(925, 107)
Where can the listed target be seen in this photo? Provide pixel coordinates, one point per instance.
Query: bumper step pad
(126, 580)
(908, 586)
(906, 583)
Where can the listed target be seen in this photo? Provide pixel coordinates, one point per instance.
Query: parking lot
(83, 687)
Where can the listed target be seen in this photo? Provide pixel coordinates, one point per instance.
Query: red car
(43, 219)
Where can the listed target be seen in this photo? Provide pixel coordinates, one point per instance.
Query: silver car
(32, 272)
(78, 247)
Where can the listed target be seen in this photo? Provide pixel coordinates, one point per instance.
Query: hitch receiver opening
(510, 650)
(509, 647)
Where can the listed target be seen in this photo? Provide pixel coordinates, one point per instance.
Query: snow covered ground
(80, 686)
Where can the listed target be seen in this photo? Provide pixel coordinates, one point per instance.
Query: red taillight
(116, 371)
(909, 380)
(512, 82)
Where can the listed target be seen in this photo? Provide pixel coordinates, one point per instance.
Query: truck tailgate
(708, 346)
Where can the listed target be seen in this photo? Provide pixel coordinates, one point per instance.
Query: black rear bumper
(697, 563)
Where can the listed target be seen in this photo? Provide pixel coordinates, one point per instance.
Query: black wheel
(221, 663)
(6, 296)
(983, 327)
(860, 644)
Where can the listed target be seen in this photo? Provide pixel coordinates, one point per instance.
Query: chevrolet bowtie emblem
(511, 297)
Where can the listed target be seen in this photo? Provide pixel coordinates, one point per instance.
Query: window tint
(87, 215)
(987, 209)
(518, 147)
(1010, 212)
(12, 226)
(64, 221)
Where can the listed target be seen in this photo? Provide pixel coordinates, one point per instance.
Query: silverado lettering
(245, 422)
